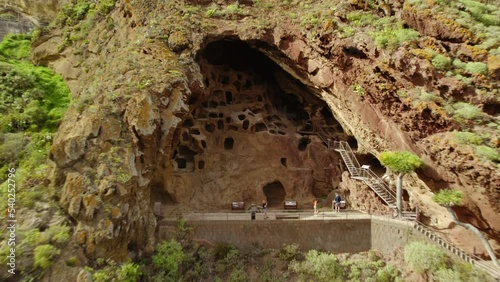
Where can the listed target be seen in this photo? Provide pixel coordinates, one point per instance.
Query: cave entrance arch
(247, 115)
(275, 194)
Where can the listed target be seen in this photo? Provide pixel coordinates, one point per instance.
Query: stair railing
(472, 259)
(369, 174)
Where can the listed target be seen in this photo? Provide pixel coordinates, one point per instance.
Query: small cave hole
(204, 104)
(222, 103)
(229, 97)
(213, 104)
(191, 100)
(281, 132)
(272, 131)
(354, 52)
(185, 136)
(181, 163)
(203, 143)
(260, 99)
(237, 84)
(232, 127)
(491, 108)
(188, 123)
(242, 117)
(194, 131)
(132, 247)
(228, 120)
(221, 115)
(228, 143)
(225, 80)
(201, 164)
(353, 143)
(213, 115)
(283, 162)
(210, 127)
(246, 123)
(259, 127)
(220, 124)
(303, 144)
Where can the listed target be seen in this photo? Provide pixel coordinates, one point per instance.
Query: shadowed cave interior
(247, 136)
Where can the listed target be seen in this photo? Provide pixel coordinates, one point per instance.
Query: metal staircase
(363, 173)
(479, 263)
(388, 195)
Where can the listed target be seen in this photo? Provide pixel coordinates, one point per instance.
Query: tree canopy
(400, 161)
(448, 197)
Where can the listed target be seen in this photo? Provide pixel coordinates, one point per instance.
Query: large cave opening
(248, 126)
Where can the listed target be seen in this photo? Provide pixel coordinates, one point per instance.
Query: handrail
(379, 180)
(470, 258)
(342, 145)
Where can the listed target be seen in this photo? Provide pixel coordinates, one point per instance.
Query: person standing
(337, 202)
(315, 206)
(264, 208)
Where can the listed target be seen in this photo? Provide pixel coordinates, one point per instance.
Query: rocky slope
(195, 105)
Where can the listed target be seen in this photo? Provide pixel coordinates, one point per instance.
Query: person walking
(315, 206)
(337, 202)
(264, 208)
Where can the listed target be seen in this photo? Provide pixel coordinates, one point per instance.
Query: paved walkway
(272, 215)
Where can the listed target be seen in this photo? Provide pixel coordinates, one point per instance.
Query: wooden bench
(287, 216)
(290, 205)
(239, 206)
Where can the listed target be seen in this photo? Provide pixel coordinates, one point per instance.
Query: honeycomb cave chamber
(247, 135)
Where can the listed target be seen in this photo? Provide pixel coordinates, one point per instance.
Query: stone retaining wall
(338, 236)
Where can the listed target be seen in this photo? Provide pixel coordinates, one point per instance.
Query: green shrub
(459, 64)
(387, 274)
(44, 254)
(466, 111)
(400, 161)
(468, 138)
(72, 261)
(489, 153)
(468, 272)
(238, 275)
(358, 89)
(15, 47)
(430, 97)
(318, 267)
(391, 37)
(58, 234)
(449, 197)
(289, 252)
(446, 275)
(34, 237)
(360, 18)
(346, 31)
(129, 272)
(441, 62)
(476, 68)
(168, 257)
(423, 257)
(101, 276)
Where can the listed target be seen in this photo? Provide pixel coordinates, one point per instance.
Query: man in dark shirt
(337, 202)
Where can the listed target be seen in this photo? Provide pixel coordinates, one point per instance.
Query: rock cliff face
(220, 112)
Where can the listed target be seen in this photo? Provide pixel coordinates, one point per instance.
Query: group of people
(336, 201)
